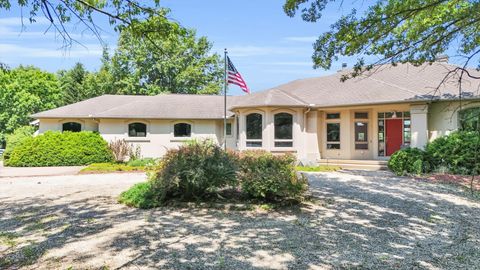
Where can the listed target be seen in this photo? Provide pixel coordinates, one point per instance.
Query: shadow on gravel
(358, 220)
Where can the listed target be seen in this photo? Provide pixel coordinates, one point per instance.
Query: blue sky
(268, 47)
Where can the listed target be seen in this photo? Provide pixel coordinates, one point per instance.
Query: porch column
(419, 125)
(312, 150)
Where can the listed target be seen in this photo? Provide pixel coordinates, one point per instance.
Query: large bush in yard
(60, 149)
(195, 170)
(266, 176)
(455, 153)
(409, 161)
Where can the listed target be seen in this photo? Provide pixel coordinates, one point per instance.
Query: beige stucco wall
(56, 124)
(443, 117)
(160, 136)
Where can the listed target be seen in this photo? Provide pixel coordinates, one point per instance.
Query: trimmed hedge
(60, 149)
(17, 137)
(266, 176)
(454, 153)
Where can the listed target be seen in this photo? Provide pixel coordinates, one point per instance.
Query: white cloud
(309, 39)
(92, 50)
(17, 21)
(245, 51)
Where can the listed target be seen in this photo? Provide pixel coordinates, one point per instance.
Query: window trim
(333, 121)
(262, 114)
(275, 140)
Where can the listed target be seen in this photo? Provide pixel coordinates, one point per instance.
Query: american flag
(234, 76)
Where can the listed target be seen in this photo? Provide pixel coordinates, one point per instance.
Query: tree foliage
(120, 13)
(24, 91)
(147, 61)
(395, 30)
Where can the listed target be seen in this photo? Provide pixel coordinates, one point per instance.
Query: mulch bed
(461, 180)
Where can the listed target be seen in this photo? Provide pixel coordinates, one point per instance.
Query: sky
(267, 47)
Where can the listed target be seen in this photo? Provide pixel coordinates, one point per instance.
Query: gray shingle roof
(384, 84)
(387, 84)
(164, 106)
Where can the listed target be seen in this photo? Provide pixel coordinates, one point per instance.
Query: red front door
(393, 136)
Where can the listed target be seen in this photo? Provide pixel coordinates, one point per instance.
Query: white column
(312, 150)
(419, 125)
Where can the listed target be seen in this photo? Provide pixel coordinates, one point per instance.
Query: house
(368, 117)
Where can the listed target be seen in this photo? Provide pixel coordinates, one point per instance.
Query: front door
(393, 136)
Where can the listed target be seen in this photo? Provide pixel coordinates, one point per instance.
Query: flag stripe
(234, 77)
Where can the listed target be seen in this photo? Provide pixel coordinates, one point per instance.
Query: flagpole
(225, 103)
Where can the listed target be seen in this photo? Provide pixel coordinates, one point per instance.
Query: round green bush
(456, 152)
(266, 176)
(409, 161)
(60, 149)
(194, 171)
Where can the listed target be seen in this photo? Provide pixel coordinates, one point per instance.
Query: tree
(24, 91)
(397, 31)
(148, 62)
(72, 84)
(120, 13)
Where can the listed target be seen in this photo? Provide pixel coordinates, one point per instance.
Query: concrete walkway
(37, 171)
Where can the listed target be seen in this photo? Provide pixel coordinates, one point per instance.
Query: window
(228, 129)
(182, 130)
(361, 115)
(283, 123)
(469, 119)
(361, 135)
(333, 135)
(254, 130)
(72, 126)
(137, 130)
(333, 115)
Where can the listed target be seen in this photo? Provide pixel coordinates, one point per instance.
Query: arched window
(137, 130)
(72, 126)
(283, 123)
(469, 119)
(182, 130)
(254, 130)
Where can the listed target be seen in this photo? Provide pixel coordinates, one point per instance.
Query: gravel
(356, 220)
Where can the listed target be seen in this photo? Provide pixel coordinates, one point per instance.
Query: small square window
(361, 115)
(361, 146)
(333, 115)
(283, 144)
(254, 144)
(333, 146)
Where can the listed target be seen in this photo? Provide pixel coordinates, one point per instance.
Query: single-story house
(368, 117)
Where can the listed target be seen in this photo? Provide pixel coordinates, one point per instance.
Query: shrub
(455, 153)
(141, 195)
(195, 170)
(61, 149)
(14, 139)
(265, 176)
(142, 162)
(409, 161)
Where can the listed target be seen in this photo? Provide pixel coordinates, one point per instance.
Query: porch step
(370, 165)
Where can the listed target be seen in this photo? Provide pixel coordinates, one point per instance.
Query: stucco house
(366, 118)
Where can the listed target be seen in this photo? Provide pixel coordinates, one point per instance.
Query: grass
(322, 168)
(8, 239)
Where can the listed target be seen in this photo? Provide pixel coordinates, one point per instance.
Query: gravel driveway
(358, 220)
